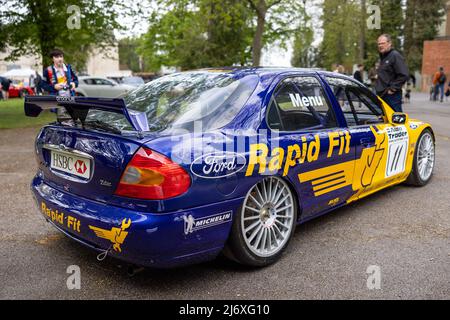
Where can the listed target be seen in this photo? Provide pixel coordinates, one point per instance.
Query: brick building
(436, 53)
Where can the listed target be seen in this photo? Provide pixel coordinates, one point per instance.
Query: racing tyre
(424, 160)
(264, 225)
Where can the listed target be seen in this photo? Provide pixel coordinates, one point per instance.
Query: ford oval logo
(218, 165)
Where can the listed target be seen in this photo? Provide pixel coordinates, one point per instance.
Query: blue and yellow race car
(212, 161)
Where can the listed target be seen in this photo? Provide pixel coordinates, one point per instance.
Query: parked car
(100, 87)
(133, 81)
(198, 163)
(20, 91)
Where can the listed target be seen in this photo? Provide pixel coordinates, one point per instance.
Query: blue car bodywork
(194, 226)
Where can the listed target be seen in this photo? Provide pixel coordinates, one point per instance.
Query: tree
(340, 41)
(304, 55)
(38, 26)
(347, 39)
(422, 20)
(392, 23)
(128, 54)
(196, 34)
(276, 20)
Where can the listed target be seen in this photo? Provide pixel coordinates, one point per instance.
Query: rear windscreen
(206, 100)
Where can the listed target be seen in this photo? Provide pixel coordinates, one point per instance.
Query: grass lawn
(13, 116)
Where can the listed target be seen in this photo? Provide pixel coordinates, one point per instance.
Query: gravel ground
(403, 230)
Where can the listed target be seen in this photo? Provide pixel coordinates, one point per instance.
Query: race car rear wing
(78, 107)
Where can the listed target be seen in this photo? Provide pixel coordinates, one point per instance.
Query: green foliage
(196, 34)
(128, 54)
(38, 26)
(408, 22)
(392, 23)
(421, 23)
(340, 42)
(304, 54)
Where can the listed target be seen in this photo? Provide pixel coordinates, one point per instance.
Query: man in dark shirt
(392, 73)
(358, 75)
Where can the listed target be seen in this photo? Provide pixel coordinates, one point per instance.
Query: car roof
(270, 71)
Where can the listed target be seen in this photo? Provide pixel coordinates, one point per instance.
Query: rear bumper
(154, 240)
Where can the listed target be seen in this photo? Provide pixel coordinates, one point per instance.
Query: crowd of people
(389, 78)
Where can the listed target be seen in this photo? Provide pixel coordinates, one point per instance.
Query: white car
(100, 87)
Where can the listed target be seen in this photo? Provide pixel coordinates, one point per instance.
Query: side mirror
(399, 118)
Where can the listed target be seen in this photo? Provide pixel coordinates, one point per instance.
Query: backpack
(442, 78)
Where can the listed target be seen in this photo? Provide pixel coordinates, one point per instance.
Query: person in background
(439, 81)
(392, 73)
(373, 76)
(412, 78)
(340, 69)
(37, 84)
(6, 83)
(59, 79)
(358, 75)
(408, 92)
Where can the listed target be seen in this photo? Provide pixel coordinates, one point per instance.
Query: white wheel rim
(267, 216)
(425, 157)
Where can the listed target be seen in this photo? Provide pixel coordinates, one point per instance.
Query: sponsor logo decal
(398, 148)
(80, 166)
(61, 218)
(191, 224)
(413, 126)
(358, 173)
(115, 235)
(70, 163)
(212, 165)
(270, 161)
(65, 99)
(304, 102)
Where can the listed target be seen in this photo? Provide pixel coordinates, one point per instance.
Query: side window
(365, 111)
(101, 82)
(89, 81)
(300, 104)
(358, 105)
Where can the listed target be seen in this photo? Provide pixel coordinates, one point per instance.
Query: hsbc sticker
(70, 163)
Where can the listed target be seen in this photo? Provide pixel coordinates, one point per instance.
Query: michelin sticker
(212, 165)
(191, 224)
(397, 150)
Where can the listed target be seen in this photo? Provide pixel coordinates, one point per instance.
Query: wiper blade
(96, 124)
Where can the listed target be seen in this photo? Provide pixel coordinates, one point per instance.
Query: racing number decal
(397, 151)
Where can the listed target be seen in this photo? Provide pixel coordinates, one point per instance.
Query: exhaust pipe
(132, 270)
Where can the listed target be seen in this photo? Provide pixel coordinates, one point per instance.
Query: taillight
(152, 176)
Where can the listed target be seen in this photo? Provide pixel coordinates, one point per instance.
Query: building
(100, 63)
(436, 53)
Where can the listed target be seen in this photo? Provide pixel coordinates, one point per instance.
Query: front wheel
(424, 160)
(264, 224)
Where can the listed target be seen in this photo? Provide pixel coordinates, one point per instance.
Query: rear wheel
(424, 159)
(264, 224)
